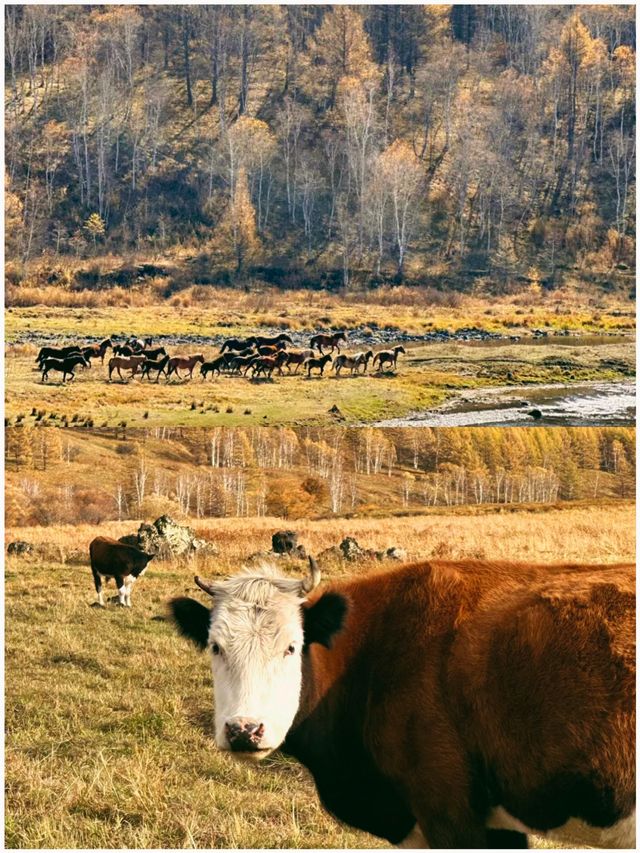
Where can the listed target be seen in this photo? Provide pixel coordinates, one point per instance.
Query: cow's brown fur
(458, 687)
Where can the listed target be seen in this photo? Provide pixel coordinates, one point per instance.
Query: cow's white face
(256, 659)
(256, 634)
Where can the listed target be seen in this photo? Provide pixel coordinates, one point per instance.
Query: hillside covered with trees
(301, 473)
(327, 146)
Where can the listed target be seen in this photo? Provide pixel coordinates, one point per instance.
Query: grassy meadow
(426, 376)
(109, 713)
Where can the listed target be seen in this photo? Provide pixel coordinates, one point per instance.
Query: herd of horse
(256, 355)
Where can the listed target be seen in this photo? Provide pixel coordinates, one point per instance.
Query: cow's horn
(313, 578)
(204, 586)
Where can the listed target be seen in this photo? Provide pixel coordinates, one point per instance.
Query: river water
(582, 404)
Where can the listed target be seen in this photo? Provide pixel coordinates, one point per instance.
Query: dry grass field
(109, 713)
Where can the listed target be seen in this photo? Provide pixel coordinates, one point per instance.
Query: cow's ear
(324, 618)
(192, 620)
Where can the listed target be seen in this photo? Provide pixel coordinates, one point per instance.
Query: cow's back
(543, 679)
(108, 556)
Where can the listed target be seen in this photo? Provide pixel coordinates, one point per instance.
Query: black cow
(123, 563)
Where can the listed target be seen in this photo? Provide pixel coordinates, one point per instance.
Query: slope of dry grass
(109, 714)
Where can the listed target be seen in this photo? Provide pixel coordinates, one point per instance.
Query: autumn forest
(328, 146)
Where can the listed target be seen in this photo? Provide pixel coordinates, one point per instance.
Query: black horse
(57, 352)
(158, 365)
(66, 366)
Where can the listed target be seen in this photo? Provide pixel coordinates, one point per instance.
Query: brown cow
(123, 563)
(442, 704)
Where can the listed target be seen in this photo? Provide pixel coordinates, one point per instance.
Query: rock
(330, 556)
(334, 410)
(396, 554)
(19, 548)
(350, 549)
(536, 414)
(166, 538)
(286, 542)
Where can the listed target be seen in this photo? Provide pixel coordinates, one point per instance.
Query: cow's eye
(290, 651)
(215, 648)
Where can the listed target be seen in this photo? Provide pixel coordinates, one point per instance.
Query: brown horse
(387, 356)
(131, 363)
(97, 350)
(333, 341)
(184, 363)
(298, 357)
(268, 363)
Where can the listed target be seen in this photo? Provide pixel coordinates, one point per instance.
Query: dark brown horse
(279, 340)
(317, 364)
(333, 341)
(387, 356)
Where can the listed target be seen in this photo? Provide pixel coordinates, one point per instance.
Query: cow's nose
(244, 735)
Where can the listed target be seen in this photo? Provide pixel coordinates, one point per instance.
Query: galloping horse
(53, 352)
(131, 363)
(333, 341)
(184, 363)
(298, 358)
(97, 350)
(387, 356)
(317, 363)
(268, 363)
(280, 339)
(63, 365)
(353, 362)
(363, 358)
(158, 365)
(214, 366)
(237, 344)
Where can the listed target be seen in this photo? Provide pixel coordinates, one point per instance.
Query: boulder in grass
(351, 550)
(165, 538)
(396, 554)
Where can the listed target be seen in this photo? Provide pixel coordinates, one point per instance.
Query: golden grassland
(57, 311)
(109, 713)
(426, 376)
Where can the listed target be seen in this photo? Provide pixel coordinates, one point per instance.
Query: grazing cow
(441, 704)
(298, 357)
(132, 363)
(149, 364)
(186, 363)
(387, 356)
(56, 352)
(66, 366)
(333, 341)
(279, 341)
(317, 364)
(113, 559)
